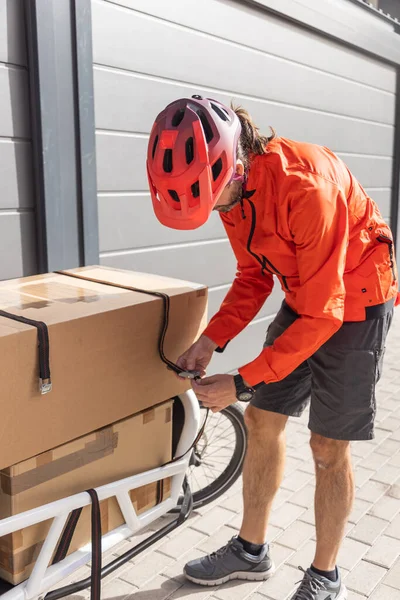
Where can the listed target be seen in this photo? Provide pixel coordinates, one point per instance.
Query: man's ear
(239, 167)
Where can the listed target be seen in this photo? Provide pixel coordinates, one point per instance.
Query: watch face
(245, 396)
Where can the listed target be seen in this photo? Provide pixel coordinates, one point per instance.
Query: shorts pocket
(379, 356)
(360, 372)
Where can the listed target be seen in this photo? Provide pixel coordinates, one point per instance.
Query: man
(293, 211)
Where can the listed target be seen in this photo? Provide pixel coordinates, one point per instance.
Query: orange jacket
(311, 224)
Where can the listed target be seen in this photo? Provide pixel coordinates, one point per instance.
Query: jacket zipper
(383, 239)
(266, 265)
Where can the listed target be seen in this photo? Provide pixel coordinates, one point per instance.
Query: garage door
(17, 229)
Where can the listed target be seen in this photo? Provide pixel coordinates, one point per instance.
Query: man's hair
(251, 141)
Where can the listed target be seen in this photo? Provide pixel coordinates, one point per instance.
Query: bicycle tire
(235, 414)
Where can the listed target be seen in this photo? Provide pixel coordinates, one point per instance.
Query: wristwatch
(243, 393)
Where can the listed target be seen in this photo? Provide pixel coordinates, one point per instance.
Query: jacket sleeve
(318, 221)
(245, 298)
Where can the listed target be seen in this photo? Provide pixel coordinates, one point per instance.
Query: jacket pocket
(383, 239)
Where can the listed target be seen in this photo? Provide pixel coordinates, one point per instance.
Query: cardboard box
(131, 446)
(104, 355)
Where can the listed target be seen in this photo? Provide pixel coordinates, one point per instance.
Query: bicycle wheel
(217, 459)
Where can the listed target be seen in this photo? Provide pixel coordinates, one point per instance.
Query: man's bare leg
(263, 470)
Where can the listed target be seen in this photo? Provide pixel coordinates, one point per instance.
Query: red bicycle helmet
(191, 158)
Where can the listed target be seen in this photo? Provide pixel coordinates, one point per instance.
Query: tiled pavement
(370, 556)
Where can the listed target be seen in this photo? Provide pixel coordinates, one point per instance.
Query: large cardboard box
(104, 357)
(131, 446)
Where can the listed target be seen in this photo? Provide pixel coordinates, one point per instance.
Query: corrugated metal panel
(17, 221)
(307, 87)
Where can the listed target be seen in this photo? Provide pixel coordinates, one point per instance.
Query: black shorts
(338, 380)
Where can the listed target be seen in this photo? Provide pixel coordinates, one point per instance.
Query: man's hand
(198, 357)
(216, 392)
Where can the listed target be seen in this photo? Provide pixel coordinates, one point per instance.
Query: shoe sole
(242, 575)
(343, 594)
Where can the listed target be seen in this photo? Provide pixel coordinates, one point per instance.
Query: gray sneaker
(316, 587)
(230, 562)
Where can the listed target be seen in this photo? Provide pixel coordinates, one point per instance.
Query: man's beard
(237, 197)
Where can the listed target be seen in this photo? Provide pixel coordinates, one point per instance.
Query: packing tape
(104, 445)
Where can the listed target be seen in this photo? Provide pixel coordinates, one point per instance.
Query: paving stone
(281, 497)
(351, 552)
(394, 490)
(368, 529)
(309, 516)
(384, 552)
(384, 592)
(237, 590)
(304, 555)
(386, 508)
(292, 464)
(362, 475)
(365, 577)
(181, 543)
(280, 554)
(212, 520)
(394, 461)
(371, 491)
(190, 591)
(388, 447)
(387, 474)
(374, 461)
(392, 579)
(117, 589)
(305, 496)
(159, 588)
(390, 423)
(393, 529)
(235, 503)
(146, 569)
(296, 535)
(296, 481)
(285, 515)
(282, 584)
(363, 449)
(360, 508)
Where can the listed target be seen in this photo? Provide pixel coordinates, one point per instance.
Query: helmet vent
(167, 162)
(208, 132)
(174, 195)
(222, 114)
(189, 150)
(196, 189)
(155, 146)
(217, 168)
(178, 117)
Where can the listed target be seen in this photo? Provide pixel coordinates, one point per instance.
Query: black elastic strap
(166, 306)
(95, 591)
(43, 347)
(68, 534)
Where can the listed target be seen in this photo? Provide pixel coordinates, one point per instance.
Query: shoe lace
(309, 587)
(214, 556)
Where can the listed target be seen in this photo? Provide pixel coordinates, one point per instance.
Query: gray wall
(17, 235)
(307, 87)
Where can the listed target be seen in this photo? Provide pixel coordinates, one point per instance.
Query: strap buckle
(45, 386)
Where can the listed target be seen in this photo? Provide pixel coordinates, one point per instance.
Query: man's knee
(263, 422)
(328, 453)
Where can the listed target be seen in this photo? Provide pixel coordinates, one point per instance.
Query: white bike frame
(45, 576)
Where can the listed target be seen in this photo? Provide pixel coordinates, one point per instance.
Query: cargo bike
(208, 454)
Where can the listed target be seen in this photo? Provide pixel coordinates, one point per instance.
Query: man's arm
(245, 298)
